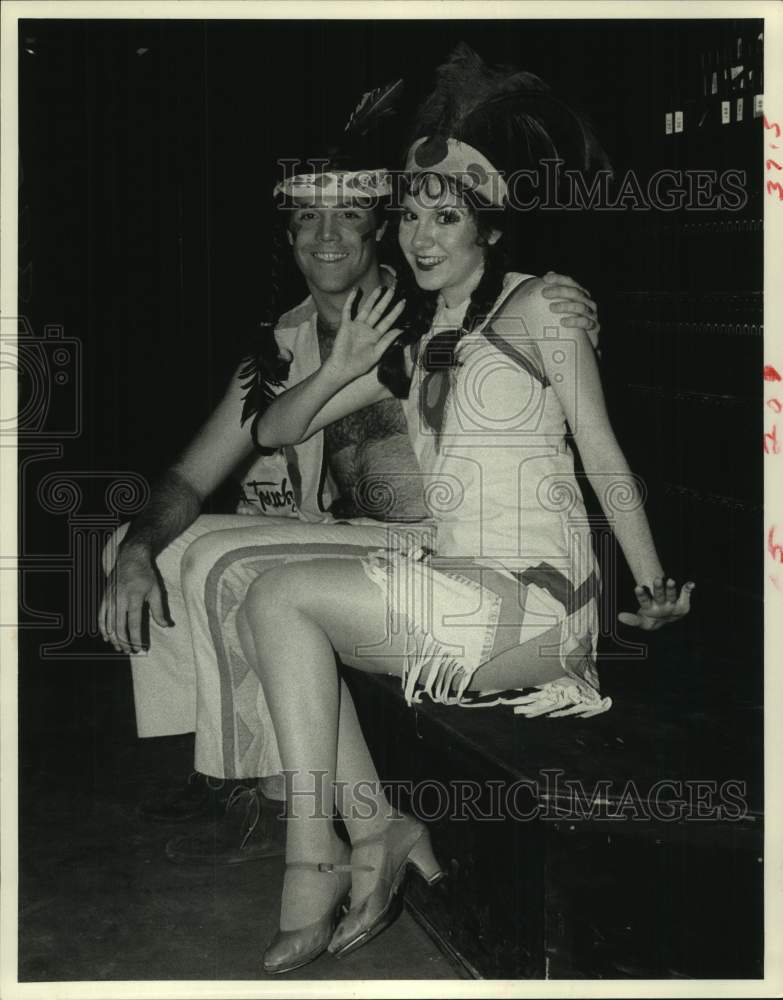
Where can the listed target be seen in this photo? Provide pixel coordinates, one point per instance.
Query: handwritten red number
(771, 374)
(775, 164)
(772, 186)
(772, 125)
(771, 443)
(775, 550)
(775, 404)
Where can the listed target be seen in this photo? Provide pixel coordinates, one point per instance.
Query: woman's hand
(661, 607)
(360, 342)
(343, 384)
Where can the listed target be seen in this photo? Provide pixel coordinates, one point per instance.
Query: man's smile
(329, 257)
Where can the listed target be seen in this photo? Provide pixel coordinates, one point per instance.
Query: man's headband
(439, 155)
(338, 184)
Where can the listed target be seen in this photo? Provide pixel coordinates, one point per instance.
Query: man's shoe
(202, 797)
(252, 829)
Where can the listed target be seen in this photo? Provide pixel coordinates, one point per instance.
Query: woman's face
(438, 237)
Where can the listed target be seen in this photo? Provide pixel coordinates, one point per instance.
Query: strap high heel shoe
(290, 950)
(406, 843)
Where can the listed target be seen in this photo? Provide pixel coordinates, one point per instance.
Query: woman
(504, 600)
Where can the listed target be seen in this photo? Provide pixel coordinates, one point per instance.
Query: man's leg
(164, 677)
(234, 733)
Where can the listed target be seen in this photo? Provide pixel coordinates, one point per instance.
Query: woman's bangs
(432, 186)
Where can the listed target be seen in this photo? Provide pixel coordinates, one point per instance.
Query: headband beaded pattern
(337, 184)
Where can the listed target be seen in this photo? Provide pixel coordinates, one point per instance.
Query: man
(185, 682)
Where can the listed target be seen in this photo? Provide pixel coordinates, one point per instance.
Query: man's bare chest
(374, 423)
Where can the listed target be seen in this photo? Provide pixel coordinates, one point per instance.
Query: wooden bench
(552, 888)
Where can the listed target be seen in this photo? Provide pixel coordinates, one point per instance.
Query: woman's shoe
(290, 950)
(405, 843)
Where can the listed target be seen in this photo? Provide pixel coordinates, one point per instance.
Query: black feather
(262, 376)
(374, 105)
(511, 115)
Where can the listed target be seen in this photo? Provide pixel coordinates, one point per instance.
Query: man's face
(334, 243)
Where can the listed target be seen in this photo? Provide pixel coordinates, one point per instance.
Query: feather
(258, 395)
(506, 112)
(464, 84)
(373, 106)
(261, 379)
(539, 126)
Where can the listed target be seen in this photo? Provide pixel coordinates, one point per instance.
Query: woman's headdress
(482, 123)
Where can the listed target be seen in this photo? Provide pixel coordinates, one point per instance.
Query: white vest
(292, 482)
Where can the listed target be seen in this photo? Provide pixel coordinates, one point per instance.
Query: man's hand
(661, 607)
(132, 583)
(574, 302)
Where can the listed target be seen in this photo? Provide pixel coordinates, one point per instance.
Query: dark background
(148, 155)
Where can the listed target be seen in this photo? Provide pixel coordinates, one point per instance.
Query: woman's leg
(361, 802)
(528, 665)
(290, 623)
